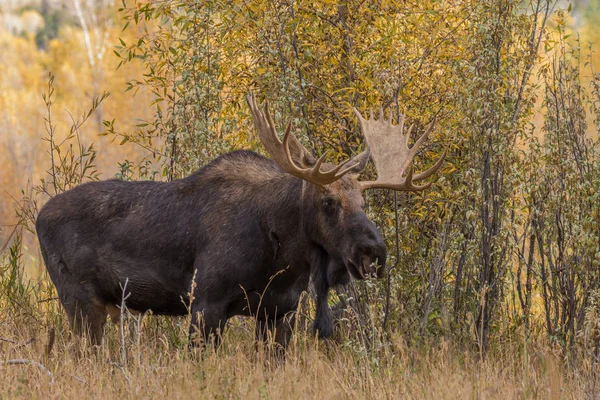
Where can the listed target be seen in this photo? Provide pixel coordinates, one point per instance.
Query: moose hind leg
(284, 329)
(276, 331)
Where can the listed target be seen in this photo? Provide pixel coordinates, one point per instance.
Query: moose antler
(294, 158)
(391, 154)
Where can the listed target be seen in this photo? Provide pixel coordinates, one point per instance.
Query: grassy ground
(157, 364)
(148, 357)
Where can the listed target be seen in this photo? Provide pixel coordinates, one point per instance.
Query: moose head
(332, 194)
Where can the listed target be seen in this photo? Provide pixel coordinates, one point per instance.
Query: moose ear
(305, 160)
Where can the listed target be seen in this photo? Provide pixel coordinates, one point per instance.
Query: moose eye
(330, 204)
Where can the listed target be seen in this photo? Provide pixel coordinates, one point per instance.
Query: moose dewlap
(249, 230)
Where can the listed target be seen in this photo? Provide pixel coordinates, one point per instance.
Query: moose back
(249, 231)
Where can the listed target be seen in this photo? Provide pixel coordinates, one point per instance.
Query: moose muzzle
(368, 254)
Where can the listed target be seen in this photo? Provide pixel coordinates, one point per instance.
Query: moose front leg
(323, 324)
(207, 325)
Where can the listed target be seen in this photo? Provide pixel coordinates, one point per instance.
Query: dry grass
(158, 365)
(39, 358)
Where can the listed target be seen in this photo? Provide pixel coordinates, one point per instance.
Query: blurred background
(75, 41)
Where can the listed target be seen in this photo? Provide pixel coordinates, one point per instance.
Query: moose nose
(369, 251)
(372, 256)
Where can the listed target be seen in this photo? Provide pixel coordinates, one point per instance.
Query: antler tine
(286, 143)
(410, 128)
(420, 140)
(404, 184)
(317, 167)
(290, 155)
(426, 174)
(410, 179)
(356, 161)
(272, 129)
(263, 123)
(392, 155)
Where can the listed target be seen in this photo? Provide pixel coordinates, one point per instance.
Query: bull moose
(243, 235)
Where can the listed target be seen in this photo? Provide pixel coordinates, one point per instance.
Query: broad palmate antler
(387, 146)
(391, 154)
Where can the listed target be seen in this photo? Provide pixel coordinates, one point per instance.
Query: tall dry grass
(149, 358)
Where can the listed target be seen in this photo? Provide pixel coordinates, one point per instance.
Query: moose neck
(289, 214)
